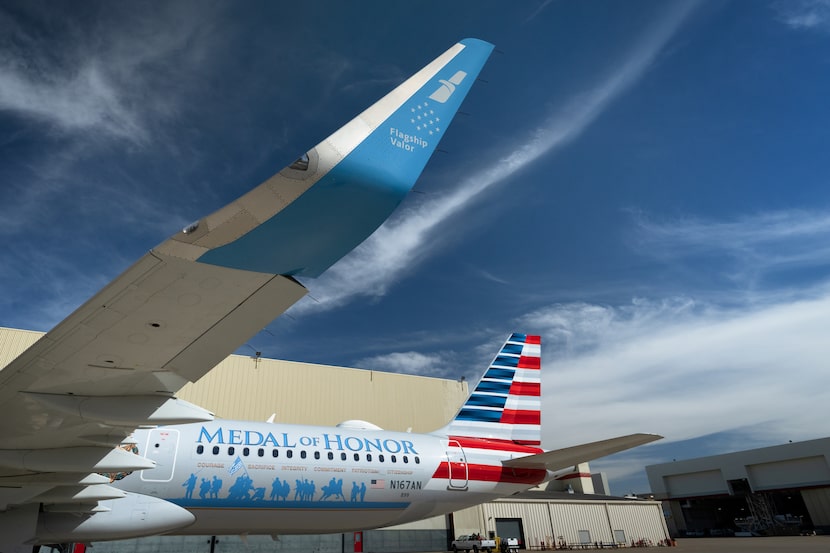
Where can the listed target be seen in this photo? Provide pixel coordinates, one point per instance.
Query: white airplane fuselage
(292, 479)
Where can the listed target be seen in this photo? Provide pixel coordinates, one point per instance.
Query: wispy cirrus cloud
(538, 10)
(805, 14)
(113, 75)
(684, 368)
(403, 241)
(749, 248)
(86, 99)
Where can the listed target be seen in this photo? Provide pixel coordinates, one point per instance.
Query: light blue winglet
(375, 160)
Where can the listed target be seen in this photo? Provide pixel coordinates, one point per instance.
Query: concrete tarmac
(782, 544)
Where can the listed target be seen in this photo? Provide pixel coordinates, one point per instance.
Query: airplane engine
(132, 516)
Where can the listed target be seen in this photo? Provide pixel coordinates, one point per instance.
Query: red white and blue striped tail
(506, 403)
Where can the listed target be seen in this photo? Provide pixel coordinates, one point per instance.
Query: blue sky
(642, 183)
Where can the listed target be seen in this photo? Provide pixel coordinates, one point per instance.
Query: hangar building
(782, 489)
(254, 388)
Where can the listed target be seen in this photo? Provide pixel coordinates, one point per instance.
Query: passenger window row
(289, 454)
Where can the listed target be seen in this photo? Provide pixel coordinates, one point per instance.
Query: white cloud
(409, 362)
(538, 10)
(805, 14)
(110, 76)
(746, 233)
(684, 369)
(751, 246)
(400, 243)
(85, 100)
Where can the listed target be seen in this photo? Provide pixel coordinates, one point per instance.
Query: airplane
(94, 444)
(269, 478)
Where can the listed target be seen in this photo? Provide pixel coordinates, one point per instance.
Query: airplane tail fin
(506, 402)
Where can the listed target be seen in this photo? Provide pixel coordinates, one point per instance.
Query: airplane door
(162, 446)
(458, 469)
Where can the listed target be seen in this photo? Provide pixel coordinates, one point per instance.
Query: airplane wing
(570, 456)
(116, 362)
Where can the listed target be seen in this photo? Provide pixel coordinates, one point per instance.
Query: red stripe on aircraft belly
(513, 416)
(525, 389)
(491, 473)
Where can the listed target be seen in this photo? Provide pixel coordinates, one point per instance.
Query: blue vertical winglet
(362, 189)
(402, 145)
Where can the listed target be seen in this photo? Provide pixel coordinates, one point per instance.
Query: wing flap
(277, 295)
(567, 457)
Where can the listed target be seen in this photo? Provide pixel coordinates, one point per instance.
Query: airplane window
(342, 456)
(245, 451)
(417, 460)
(200, 449)
(231, 449)
(316, 454)
(380, 458)
(405, 459)
(216, 450)
(260, 452)
(357, 457)
(368, 456)
(301, 164)
(302, 454)
(394, 459)
(331, 456)
(289, 454)
(275, 453)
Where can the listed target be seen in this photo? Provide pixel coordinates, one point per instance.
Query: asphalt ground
(783, 544)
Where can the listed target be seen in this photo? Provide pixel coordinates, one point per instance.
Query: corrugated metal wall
(14, 342)
(249, 389)
(549, 522)
(569, 519)
(639, 521)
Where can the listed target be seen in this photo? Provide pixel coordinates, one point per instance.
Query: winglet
(402, 141)
(312, 213)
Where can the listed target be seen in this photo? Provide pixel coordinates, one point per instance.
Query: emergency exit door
(162, 446)
(457, 466)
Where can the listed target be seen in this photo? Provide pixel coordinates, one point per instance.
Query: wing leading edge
(116, 362)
